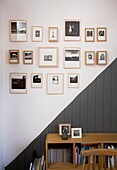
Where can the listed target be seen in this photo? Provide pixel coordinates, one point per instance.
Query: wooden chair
(99, 159)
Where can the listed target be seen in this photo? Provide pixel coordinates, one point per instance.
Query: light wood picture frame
(48, 56)
(76, 132)
(53, 34)
(18, 83)
(55, 83)
(101, 34)
(89, 34)
(89, 57)
(14, 56)
(101, 57)
(36, 80)
(18, 30)
(28, 57)
(73, 80)
(64, 128)
(37, 33)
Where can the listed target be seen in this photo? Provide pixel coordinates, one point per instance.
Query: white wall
(26, 115)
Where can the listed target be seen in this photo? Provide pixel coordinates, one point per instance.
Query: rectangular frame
(76, 132)
(14, 56)
(73, 80)
(37, 33)
(101, 34)
(48, 56)
(18, 30)
(89, 57)
(53, 34)
(18, 83)
(64, 127)
(72, 57)
(55, 83)
(72, 30)
(101, 57)
(89, 34)
(36, 80)
(28, 57)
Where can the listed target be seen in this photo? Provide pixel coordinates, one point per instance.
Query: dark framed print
(18, 83)
(76, 132)
(52, 34)
(55, 83)
(13, 56)
(101, 57)
(48, 56)
(72, 30)
(72, 57)
(89, 57)
(101, 34)
(65, 128)
(27, 57)
(18, 30)
(37, 33)
(36, 80)
(73, 80)
(89, 34)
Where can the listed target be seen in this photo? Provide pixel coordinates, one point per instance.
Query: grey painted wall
(94, 110)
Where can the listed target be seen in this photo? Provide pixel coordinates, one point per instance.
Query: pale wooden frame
(80, 132)
(16, 91)
(24, 56)
(40, 39)
(53, 92)
(93, 36)
(10, 34)
(98, 57)
(49, 37)
(105, 36)
(93, 57)
(41, 80)
(18, 59)
(64, 124)
(76, 86)
(48, 65)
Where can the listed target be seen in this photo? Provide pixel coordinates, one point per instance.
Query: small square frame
(36, 80)
(13, 56)
(101, 57)
(101, 34)
(73, 80)
(37, 33)
(89, 57)
(53, 34)
(28, 57)
(89, 34)
(64, 127)
(76, 132)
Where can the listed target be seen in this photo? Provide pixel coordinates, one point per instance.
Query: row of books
(38, 164)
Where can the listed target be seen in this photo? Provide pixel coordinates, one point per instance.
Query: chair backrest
(99, 158)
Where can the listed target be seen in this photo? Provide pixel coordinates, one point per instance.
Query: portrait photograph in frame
(27, 57)
(71, 57)
(36, 80)
(48, 56)
(101, 57)
(72, 30)
(89, 57)
(53, 34)
(89, 34)
(37, 33)
(73, 80)
(101, 34)
(18, 30)
(13, 56)
(64, 128)
(76, 132)
(55, 83)
(18, 83)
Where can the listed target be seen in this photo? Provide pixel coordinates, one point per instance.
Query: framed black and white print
(72, 30)
(89, 34)
(72, 57)
(101, 34)
(13, 56)
(37, 33)
(101, 57)
(18, 83)
(76, 132)
(18, 30)
(28, 57)
(52, 34)
(65, 128)
(36, 80)
(55, 83)
(73, 80)
(89, 57)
